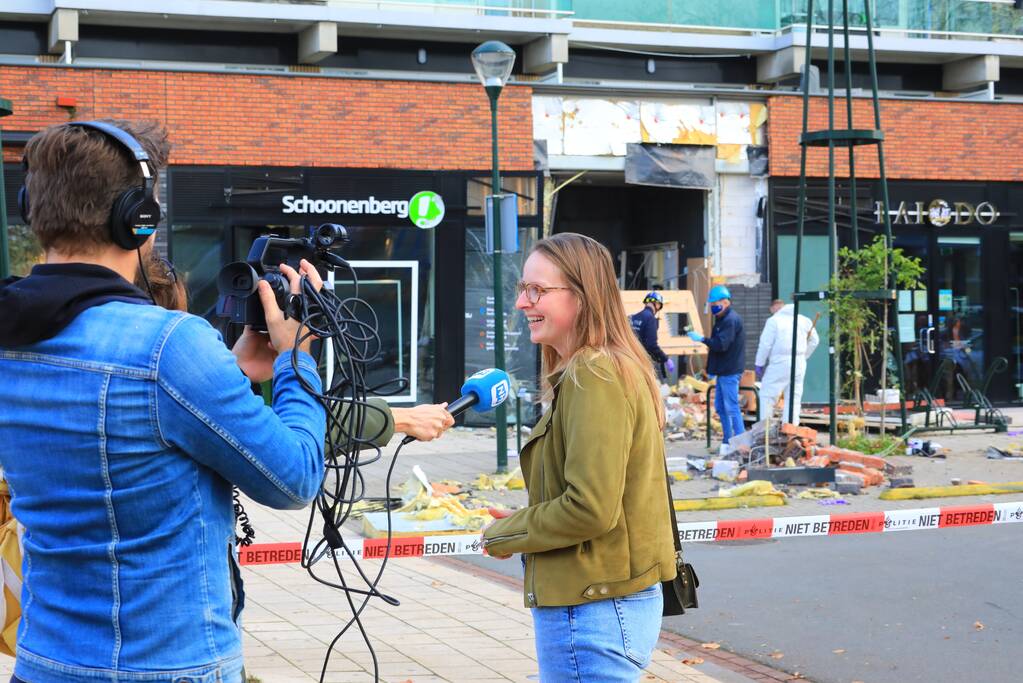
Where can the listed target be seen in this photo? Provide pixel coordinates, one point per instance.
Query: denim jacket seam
(85, 365)
(155, 367)
(112, 518)
(231, 441)
(208, 626)
(26, 586)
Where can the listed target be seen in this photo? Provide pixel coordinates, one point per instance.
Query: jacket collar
(38, 307)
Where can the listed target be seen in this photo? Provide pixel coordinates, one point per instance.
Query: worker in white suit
(774, 360)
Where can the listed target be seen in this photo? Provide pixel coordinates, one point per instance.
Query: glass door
(941, 325)
(1016, 311)
(957, 298)
(915, 320)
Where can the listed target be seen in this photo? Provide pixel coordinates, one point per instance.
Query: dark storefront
(969, 237)
(416, 239)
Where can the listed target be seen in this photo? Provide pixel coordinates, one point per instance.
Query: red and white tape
(916, 519)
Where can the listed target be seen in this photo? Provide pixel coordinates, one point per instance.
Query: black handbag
(680, 592)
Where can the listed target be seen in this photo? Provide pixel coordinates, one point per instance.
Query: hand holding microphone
(484, 390)
(423, 423)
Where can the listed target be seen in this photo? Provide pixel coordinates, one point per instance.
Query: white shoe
(724, 449)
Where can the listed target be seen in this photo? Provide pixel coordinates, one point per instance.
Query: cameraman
(124, 426)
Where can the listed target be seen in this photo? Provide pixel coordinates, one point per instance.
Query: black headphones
(135, 212)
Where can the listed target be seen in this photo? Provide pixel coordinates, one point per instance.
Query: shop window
(520, 352)
(195, 250)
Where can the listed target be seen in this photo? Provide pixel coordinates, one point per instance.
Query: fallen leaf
(436, 584)
(710, 646)
(693, 661)
(777, 655)
(979, 626)
(839, 651)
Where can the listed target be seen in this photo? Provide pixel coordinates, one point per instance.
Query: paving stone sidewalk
(451, 625)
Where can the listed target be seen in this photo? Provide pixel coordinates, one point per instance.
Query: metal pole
(800, 213)
(501, 417)
(888, 284)
(5, 256)
(833, 380)
(847, 63)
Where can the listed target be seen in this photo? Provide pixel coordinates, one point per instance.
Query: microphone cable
(349, 327)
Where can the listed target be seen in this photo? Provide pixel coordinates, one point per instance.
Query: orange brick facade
(261, 120)
(923, 140)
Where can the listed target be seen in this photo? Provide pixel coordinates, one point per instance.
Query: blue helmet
(653, 298)
(717, 293)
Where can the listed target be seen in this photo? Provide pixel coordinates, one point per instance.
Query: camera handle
(333, 259)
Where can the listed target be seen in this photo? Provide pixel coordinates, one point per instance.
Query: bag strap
(671, 510)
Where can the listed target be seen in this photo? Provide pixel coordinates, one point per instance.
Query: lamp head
(493, 61)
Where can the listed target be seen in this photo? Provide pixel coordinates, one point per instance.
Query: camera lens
(329, 233)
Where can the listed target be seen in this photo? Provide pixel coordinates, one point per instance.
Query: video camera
(237, 282)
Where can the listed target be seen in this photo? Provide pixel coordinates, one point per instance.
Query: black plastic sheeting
(757, 160)
(685, 166)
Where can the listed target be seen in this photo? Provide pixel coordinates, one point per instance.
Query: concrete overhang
(404, 22)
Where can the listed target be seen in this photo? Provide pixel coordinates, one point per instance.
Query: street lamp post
(493, 62)
(5, 255)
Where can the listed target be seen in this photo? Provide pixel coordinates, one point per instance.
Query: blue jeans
(607, 641)
(726, 402)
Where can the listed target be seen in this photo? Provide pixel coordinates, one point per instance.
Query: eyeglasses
(533, 291)
(171, 273)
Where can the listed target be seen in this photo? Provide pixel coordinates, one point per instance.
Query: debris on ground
(449, 502)
(817, 492)
(751, 488)
(685, 410)
(789, 455)
(1011, 452)
(500, 482)
(926, 449)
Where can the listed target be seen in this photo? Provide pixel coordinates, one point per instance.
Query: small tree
(859, 325)
(24, 248)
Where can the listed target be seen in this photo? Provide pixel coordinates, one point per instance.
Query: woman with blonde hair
(596, 536)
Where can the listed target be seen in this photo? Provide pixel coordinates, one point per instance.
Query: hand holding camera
(255, 353)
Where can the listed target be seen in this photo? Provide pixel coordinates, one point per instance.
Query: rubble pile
(773, 454)
(685, 410)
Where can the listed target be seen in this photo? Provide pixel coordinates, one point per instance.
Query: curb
(925, 492)
(738, 502)
(677, 646)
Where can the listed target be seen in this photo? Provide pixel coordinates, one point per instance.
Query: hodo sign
(939, 213)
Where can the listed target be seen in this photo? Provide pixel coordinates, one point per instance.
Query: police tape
(916, 519)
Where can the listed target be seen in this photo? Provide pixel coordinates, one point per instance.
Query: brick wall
(923, 140)
(241, 119)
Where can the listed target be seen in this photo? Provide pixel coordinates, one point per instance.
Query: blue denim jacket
(120, 438)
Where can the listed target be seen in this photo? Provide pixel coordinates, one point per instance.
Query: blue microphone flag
(491, 387)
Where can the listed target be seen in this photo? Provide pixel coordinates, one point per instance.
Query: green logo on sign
(426, 209)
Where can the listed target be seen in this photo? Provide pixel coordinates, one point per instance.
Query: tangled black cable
(349, 327)
(242, 519)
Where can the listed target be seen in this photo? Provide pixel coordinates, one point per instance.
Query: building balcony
(938, 19)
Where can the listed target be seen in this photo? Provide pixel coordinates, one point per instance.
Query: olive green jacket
(597, 525)
(376, 429)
